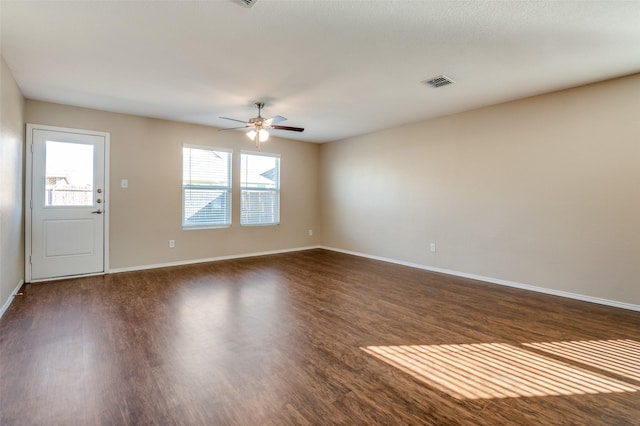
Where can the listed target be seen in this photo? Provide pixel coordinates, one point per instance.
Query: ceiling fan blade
(293, 129)
(234, 128)
(233, 119)
(274, 120)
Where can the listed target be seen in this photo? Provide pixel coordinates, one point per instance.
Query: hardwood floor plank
(280, 340)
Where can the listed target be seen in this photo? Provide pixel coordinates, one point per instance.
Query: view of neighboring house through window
(206, 187)
(259, 189)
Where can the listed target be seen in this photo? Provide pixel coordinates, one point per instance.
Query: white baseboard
(209, 259)
(10, 299)
(544, 290)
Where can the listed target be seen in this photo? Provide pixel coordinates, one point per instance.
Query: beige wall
(11, 184)
(544, 192)
(145, 216)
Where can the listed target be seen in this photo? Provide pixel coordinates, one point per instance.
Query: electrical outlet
(124, 183)
(310, 232)
(172, 243)
(432, 247)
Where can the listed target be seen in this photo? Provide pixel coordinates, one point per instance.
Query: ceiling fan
(259, 126)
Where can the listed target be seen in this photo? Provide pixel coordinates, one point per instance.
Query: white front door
(66, 202)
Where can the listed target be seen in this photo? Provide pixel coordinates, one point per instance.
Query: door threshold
(66, 277)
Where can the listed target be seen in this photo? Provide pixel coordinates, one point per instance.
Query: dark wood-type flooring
(279, 340)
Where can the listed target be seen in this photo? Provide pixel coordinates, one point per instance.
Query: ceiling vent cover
(248, 3)
(439, 81)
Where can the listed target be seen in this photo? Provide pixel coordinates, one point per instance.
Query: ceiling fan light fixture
(263, 135)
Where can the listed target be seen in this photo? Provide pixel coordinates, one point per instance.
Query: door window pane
(68, 174)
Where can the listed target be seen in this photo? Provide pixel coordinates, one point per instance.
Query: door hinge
(30, 260)
(30, 204)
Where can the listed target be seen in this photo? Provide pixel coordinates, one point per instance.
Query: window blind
(259, 189)
(206, 187)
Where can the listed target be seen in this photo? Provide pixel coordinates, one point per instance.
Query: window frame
(228, 188)
(275, 190)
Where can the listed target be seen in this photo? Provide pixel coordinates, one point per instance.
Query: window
(69, 174)
(259, 189)
(206, 187)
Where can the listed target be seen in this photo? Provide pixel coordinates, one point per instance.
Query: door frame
(28, 202)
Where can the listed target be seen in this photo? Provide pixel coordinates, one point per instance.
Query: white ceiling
(337, 68)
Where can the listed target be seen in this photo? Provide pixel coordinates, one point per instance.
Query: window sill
(196, 228)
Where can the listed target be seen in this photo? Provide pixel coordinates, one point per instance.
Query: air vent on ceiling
(248, 3)
(439, 81)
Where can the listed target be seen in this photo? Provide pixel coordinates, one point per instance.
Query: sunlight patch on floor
(616, 356)
(494, 370)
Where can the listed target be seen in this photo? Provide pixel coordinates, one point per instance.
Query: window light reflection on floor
(494, 370)
(615, 356)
